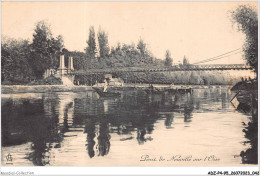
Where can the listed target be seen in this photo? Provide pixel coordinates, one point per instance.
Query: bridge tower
(64, 73)
(62, 65)
(70, 65)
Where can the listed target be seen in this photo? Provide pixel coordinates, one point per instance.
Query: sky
(198, 30)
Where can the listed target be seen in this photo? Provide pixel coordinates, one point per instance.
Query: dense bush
(51, 80)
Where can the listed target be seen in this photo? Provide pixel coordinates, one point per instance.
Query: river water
(200, 128)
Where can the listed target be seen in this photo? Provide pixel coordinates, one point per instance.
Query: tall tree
(103, 43)
(141, 46)
(168, 59)
(246, 18)
(146, 56)
(91, 49)
(43, 48)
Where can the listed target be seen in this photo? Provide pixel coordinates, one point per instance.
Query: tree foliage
(103, 43)
(23, 61)
(141, 46)
(44, 49)
(15, 65)
(168, 59)
(80, 60)
(91, 49)
(185, 61)
(247, 20)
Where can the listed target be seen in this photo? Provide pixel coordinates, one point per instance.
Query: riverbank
(246, 85)
(12, 89)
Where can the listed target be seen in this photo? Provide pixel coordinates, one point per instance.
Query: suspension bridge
(198, 66)
(219, 67)
(70, 73)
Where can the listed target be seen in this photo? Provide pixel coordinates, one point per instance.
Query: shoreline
(14, 89)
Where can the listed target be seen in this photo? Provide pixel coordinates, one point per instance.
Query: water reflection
(46, 120)
(90, 130)
(169, 120)
(103, 138)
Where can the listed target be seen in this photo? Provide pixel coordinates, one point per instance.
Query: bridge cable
(217, 57)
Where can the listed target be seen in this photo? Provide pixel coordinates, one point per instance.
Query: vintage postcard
(129, 83)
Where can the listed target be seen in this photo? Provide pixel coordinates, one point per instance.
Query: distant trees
(195, 78)
(57, 44)
(247, 20)
(185, 61)
(181, 77)
(23, 61)
(145, 55)
(103, 43)
(80, 60)
(91, 49)
(141, 46)
(168, 59)
(15, 65)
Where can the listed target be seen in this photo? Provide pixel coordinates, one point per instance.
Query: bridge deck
(165, 69)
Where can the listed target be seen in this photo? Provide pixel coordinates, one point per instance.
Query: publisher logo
(9, 159)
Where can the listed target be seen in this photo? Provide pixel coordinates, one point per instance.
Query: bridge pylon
(62, 65)
(70, 64)
(64, 72)
(62, 68)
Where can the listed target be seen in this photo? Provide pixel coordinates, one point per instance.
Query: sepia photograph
(171, 83)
